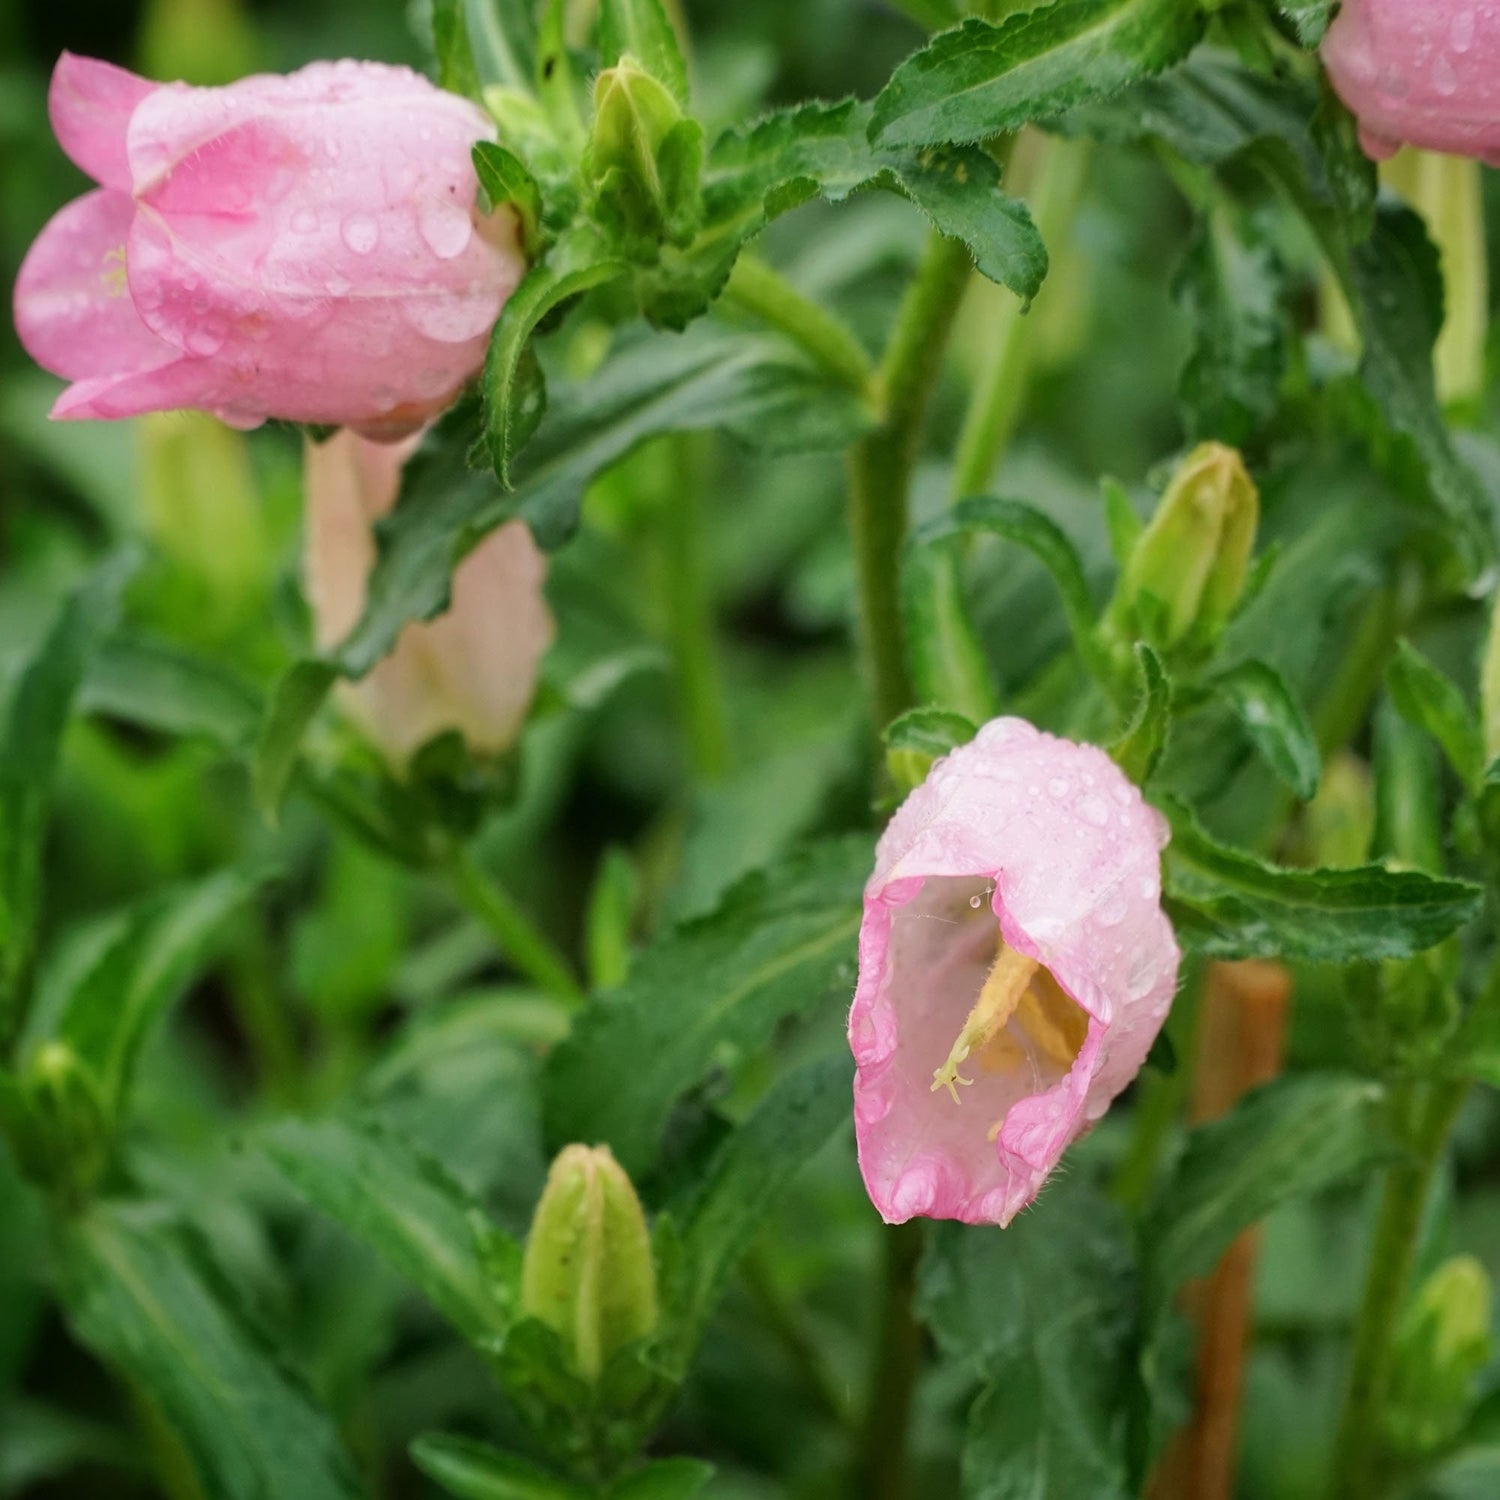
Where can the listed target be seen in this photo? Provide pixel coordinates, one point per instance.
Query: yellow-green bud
(645, 156)
(588, 1273)
(66, 1143)
(1188, 569)
(1339, 822)
(1442, 1343)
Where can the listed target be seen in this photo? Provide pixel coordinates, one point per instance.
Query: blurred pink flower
(1015, 966)
(305, 247)
(474, 668)
(1419, 72)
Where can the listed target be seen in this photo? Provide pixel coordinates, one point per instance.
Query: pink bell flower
(474, 668)
(1419, 72)
(1015, 966)
(306, 247)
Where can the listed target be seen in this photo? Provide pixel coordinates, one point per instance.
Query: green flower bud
(588, 1272)
(645, 157)
(1339, 823)
(1188, 569)
(1443, 1342)
(65, 1141)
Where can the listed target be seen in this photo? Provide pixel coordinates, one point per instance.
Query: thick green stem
(880, 1463)
(758, 289)
(1361, 1468)
(522, 942)
(880, 468)
(691, 627)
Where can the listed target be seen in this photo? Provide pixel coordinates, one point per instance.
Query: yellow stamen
(114, 272)
(1003, 992)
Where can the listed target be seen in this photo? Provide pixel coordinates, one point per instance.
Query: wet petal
(90, 104)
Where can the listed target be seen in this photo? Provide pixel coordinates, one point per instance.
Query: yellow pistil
(1004, 989)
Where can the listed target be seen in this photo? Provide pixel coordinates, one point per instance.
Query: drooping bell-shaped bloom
(473, 668)
(1423, 72)
(1015, 966)
(307, 247)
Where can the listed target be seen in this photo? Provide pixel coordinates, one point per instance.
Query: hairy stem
(881, 465)
(523, 943)
(759, 289)
(1360, 1469)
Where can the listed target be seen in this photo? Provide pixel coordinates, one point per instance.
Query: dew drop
(1444, 79)
(976, 902)
(1095, 810)
(206, 339)
(1461, 30)
(445, 226)
(360, 233)
(337, 285)
(1059, 787)
(304, 221)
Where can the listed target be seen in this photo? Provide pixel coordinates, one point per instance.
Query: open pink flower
(1014, 968)
(474, 668)
(1423, 72)
(306, 247)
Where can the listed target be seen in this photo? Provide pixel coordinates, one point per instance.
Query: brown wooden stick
(1241, 1034)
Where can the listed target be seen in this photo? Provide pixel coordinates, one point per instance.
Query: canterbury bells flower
(1423, 72)
(1014, 968)
(306, 247)
(474, 668)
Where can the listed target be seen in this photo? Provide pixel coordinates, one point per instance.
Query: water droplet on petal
(1059, 787)
(1095, 810)
(1444, 79)
(360, 233)
(976, 902)
(304, 221)
(337, 285)
(1461, 30)
(206, 338)
(445, 226)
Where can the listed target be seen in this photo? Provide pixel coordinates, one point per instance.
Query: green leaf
(1432, 701)
(1042, 1311)
(31, 732)
(666, 1479)
(402, 1205)
(1291, 1138)
(455, 55)
(1397, 290)
(505, 178)
(1310, 17)
(717, 1222)
(1015, 521)
(610, 918)
(513, 405)
(154, 951)
(929, 731)
(296, 697)
(1273, 718)
(1226, 903)
(472, 1470)
(146, 1303)
(981, 79)
(780, 942)
(948, 664)
(755, 173)
(1140, 748)
(503, 37)
(643, 29)
(157, 685)
(1232, 288)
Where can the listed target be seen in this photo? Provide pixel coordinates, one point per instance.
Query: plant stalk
(881, 466)
(1361, 1469)
(525, 945)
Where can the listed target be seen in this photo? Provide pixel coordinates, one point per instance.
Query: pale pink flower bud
(306, 247)
(1424, 72)
(1015, 967)
(474, 668)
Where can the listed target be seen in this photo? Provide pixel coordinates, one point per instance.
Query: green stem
(1057, 169)
(523, 943)
(881, 465)
(880, 1464)
(691, 628)
(1361, 1469)
(759, 289)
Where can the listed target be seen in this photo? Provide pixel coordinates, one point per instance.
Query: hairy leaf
(1273, 718)
(1226, 903)
(137, 1294)
(981, 79)
(1140, 748)
(1429, 699)
(405, 1208)
(643, 29)
(779, 943)
(31, 734)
